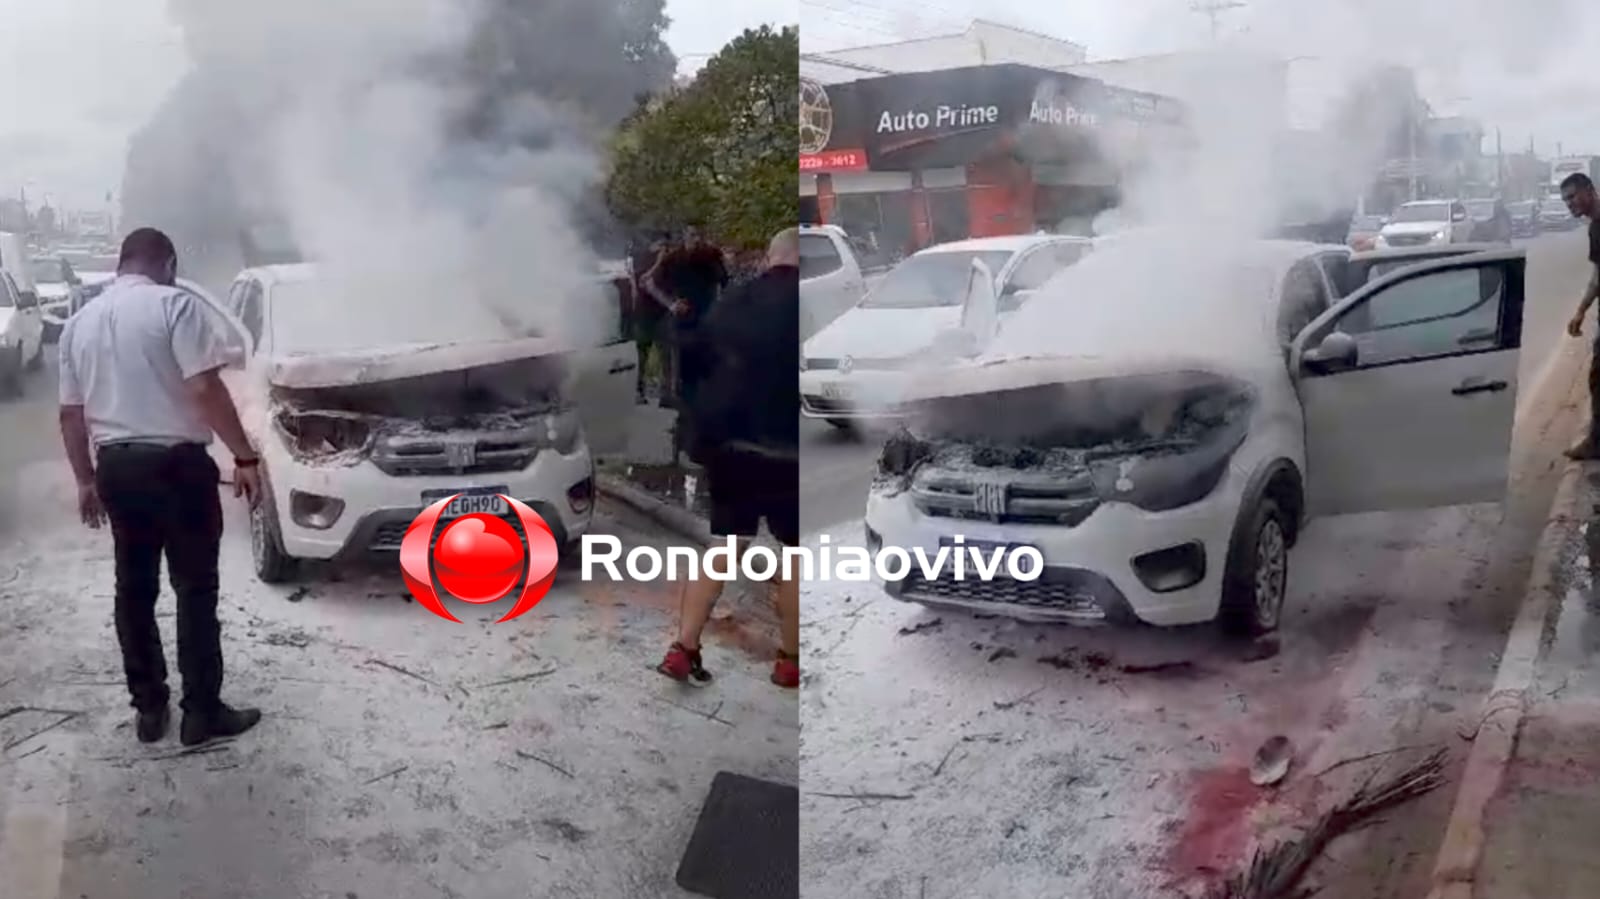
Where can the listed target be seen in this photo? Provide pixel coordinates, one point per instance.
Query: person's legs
(731, 515)
(128, 481)
(192, 554)
(781, 508)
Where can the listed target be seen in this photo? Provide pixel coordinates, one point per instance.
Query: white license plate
(835, 391)
(477, 499)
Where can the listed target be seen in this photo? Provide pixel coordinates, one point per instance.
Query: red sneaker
(683, 665)
(786, 672)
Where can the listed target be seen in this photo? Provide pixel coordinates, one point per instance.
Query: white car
(358, 434)
(60, 293)
(21, 335)
(1427, 222)
(856, 367)
(831, 280)
(1162, 452)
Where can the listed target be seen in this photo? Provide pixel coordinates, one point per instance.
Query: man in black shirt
(746, 427)
(1579, 193)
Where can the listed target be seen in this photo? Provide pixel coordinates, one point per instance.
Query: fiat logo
(846, 365)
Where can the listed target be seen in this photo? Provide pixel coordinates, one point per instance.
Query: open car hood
(993, 375)
(322, 370)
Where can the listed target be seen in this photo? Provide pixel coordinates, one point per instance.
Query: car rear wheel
(273, 565)
(1257, 580)
(11, 372)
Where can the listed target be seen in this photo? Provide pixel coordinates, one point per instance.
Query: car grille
(1408, 240)
(1067, 502)
(1069, 593)
(457, 454)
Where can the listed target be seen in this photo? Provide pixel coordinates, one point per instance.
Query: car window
(818, 256)
(250, 311)
(1033, 271)
(1304, 297)
(1456, 209)
(1339, 272)
(1437, 314)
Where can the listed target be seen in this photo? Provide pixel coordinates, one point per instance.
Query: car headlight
(1158, 483)
(324, 436)
(562, 431)
(1441, 234)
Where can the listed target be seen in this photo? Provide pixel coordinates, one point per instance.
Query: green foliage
(719, 151)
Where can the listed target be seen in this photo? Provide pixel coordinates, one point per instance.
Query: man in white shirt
(140, 399)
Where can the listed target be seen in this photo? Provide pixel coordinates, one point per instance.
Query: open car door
(242, 346)
(605, 382)
(1409, 387)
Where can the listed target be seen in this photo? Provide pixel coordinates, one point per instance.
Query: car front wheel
(1257, 579)
(273, 565)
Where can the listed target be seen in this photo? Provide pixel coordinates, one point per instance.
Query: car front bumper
(1089, 577)
(379, 507)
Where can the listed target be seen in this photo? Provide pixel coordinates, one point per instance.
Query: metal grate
(1075, 597)
(1066, 502)
(1407, 240)
(460, 454)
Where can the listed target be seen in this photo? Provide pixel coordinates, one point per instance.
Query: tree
(719, 151)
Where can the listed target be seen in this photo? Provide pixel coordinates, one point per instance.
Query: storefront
(904, 161)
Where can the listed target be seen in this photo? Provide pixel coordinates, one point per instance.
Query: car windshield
(311, 317)
(1422, 212)
(1366, 223)
(48, 271)
(931, 279)
(1114, 304)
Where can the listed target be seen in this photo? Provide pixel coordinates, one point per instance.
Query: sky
(1527, 67)
(100, 67)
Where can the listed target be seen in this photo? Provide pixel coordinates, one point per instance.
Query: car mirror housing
(1338, 351)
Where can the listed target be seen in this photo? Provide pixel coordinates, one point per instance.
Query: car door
(1409, 387)
(605, 382)
(30, 319)
(828, 287)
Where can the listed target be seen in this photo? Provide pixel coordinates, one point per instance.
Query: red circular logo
(478, 558)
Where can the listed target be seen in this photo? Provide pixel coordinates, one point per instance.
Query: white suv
(1163, 451)
(1427, 222)
(355, 440)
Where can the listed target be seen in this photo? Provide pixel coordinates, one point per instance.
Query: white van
(21, 324)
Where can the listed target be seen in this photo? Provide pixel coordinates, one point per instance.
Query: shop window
(878, 224)
(949, 215)
(810, 211)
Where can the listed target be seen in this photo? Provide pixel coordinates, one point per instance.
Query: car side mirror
(1337, 352)
(1458, 217)
(27, 299)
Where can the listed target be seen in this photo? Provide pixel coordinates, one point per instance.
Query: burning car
(1162, 453)
(357, 435)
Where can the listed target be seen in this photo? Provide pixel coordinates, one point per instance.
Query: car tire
(37, 362)
(273, 565)
(1256, 581)
(11, 373)
(52, 333)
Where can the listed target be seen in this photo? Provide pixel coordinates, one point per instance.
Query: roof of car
(1428, 251)
(1009, 243)
(282, 274)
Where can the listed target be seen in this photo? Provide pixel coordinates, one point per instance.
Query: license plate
(835, 391)
(471, 499)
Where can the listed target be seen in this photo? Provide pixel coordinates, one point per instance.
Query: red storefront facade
(982, 151)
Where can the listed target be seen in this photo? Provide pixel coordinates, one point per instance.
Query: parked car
(831, 280)
(1364, 231)
(1427, 222)
(21, 335)
(853, 368)
(60, 293)
(1491, 221)
(1524, 218)
(1163, 457)
(360, 428)
(1555, 216)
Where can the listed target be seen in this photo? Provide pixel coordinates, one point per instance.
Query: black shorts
(746, 488)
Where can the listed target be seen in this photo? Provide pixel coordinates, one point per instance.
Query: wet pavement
(400, 755)
(1541, 825)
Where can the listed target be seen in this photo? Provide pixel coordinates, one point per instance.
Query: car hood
(994, 375)
(1414, 227)
(322, 370)
(882, 333)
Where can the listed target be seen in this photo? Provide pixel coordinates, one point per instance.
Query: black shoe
(152, 725)
(224, 722)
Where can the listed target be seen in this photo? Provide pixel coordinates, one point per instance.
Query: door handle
(618, 368)
(1477, 385)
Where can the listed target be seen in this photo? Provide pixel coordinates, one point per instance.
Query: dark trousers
(165, 500)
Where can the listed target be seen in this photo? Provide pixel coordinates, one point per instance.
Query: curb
(1455, 869)
(674, 518)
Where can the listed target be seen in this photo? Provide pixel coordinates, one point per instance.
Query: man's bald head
(785, 248)
(149, 252)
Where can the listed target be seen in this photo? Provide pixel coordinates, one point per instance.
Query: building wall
(984, 43)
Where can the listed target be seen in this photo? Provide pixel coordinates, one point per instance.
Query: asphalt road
(836, 466)
(400, 755)
(949, 755)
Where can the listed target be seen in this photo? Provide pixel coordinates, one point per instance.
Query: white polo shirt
(126, 355)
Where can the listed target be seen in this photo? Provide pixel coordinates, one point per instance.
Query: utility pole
(1499, 165)
(1213, 10)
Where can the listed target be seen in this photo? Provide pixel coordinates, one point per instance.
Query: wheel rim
(258, 537)
(1272, 569)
